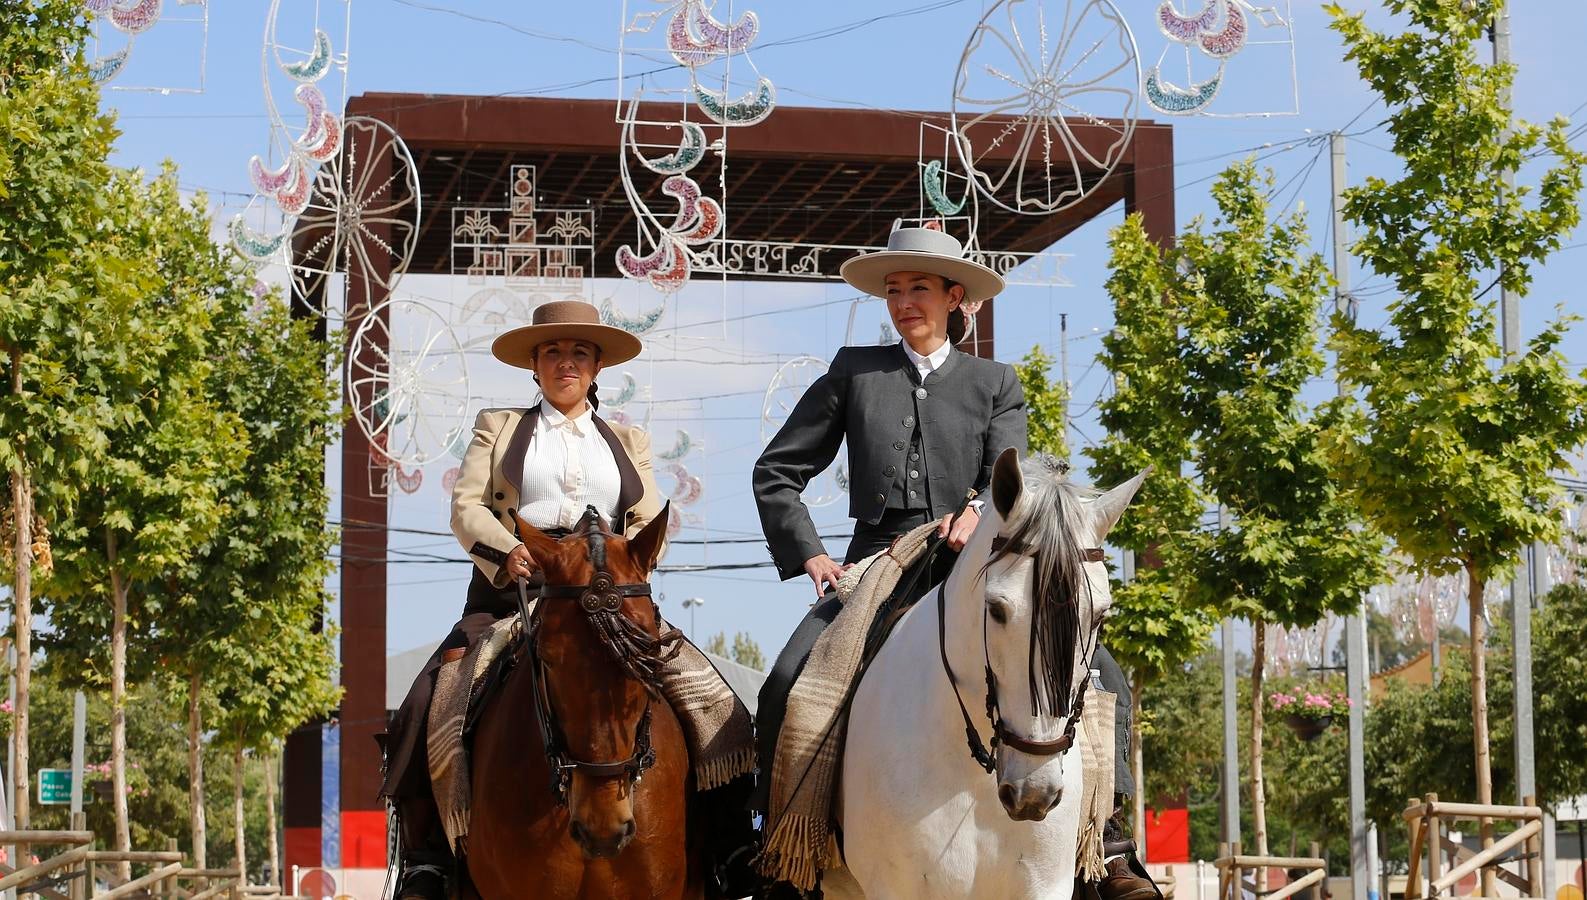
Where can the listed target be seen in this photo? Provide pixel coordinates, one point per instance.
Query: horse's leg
(839, 884)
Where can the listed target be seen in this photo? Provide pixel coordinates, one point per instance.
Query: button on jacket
(490, 482)
(972, 411)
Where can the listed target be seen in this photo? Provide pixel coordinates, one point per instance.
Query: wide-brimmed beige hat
(921, 250)
(565, 320)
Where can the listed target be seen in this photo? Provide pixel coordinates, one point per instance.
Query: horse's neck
(918, 636)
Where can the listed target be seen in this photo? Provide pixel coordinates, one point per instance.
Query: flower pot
(1308, 728)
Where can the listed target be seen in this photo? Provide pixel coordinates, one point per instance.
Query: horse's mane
(1051, 524)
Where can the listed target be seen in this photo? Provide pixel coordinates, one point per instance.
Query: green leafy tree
(59, 291)
(743, 650)
(1250, 294)
(145, 511)
(1046, 402)
(1450, 447)
(1154, 628)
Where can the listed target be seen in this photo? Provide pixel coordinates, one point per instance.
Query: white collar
(554, 418)
(932, 361)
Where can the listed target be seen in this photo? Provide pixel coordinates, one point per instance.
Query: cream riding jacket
(489, 482)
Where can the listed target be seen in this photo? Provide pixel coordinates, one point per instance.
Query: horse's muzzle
(1024, 804)
(602, 846)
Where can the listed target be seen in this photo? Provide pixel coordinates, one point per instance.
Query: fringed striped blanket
(716, 724)
(800, 837)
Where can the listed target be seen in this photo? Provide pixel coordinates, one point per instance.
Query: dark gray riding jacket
(961, 417)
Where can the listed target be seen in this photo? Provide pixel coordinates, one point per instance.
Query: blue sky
(709, 380)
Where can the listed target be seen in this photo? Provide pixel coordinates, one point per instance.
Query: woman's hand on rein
(519, 562)
(958, 533)
(823, 569)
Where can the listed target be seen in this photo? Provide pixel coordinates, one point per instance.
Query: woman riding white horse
(1016, 620)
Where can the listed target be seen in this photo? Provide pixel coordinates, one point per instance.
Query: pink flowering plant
(1310, 704)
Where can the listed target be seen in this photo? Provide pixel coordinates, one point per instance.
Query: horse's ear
(1107, 509)
(541, 546)
(1007, 482)
(645, 548)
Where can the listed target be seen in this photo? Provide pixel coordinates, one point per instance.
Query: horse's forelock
(1051, 523)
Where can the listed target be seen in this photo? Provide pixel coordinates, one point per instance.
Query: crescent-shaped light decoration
(1178, 101)
(724, 40)
(137, 18)
(673, 278)
(268, 181)
(748, 109)
(936, 190)
(104, 68)
(318, 63)
(630, 388)
(314, 106)
(688, 155)
(294, 198)
(709, 226)
(96, 6)
(252, 244)
(619, 417)
(633, 325)
(687, 192)
(682, 45)
(1228, 40)
(674, 522)
(681, 445)
(1185, 29)
(449, 479)
(641, 267)
(332, 143)
(688, 489)
(408, 481)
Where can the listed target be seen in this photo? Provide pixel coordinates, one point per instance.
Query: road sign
(55, 787)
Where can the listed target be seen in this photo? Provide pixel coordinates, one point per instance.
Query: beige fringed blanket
(1096, 784)
(716, 724)
(800, 840)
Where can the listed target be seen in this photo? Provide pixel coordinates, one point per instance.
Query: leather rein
(1002, 735)
(641, 657)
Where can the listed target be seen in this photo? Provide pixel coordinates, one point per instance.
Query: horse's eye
(997, 608)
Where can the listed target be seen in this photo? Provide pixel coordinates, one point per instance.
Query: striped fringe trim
(713, 773)
(456, 824)
(798, 850)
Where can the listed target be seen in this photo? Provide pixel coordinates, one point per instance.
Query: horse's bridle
(641, 656)
(1001, 734)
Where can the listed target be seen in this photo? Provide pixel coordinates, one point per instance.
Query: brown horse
(559, 807)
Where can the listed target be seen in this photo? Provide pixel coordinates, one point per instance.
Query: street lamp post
(691, 604)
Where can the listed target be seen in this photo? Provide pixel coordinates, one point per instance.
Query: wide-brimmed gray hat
(921, 250)
(559, 320)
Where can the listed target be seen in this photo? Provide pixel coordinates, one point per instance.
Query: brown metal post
(363, 573)
(1149, 187)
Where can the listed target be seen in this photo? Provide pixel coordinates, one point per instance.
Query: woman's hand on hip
(823, 569)
(958, 532)
(519, 563)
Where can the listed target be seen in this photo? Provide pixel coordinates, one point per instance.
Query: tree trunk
(195, 769)
(22, 595)
(1137, 765)
(1258, 786)
(270, 816)
(118, 704)
(22, 591)
(1479, 710)
(237, 814)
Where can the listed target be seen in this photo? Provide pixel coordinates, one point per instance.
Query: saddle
(465, 680)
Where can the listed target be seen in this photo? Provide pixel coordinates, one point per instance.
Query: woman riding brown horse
(585, 797)
(530, 472)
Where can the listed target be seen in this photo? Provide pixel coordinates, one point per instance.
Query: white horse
(922, 818)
